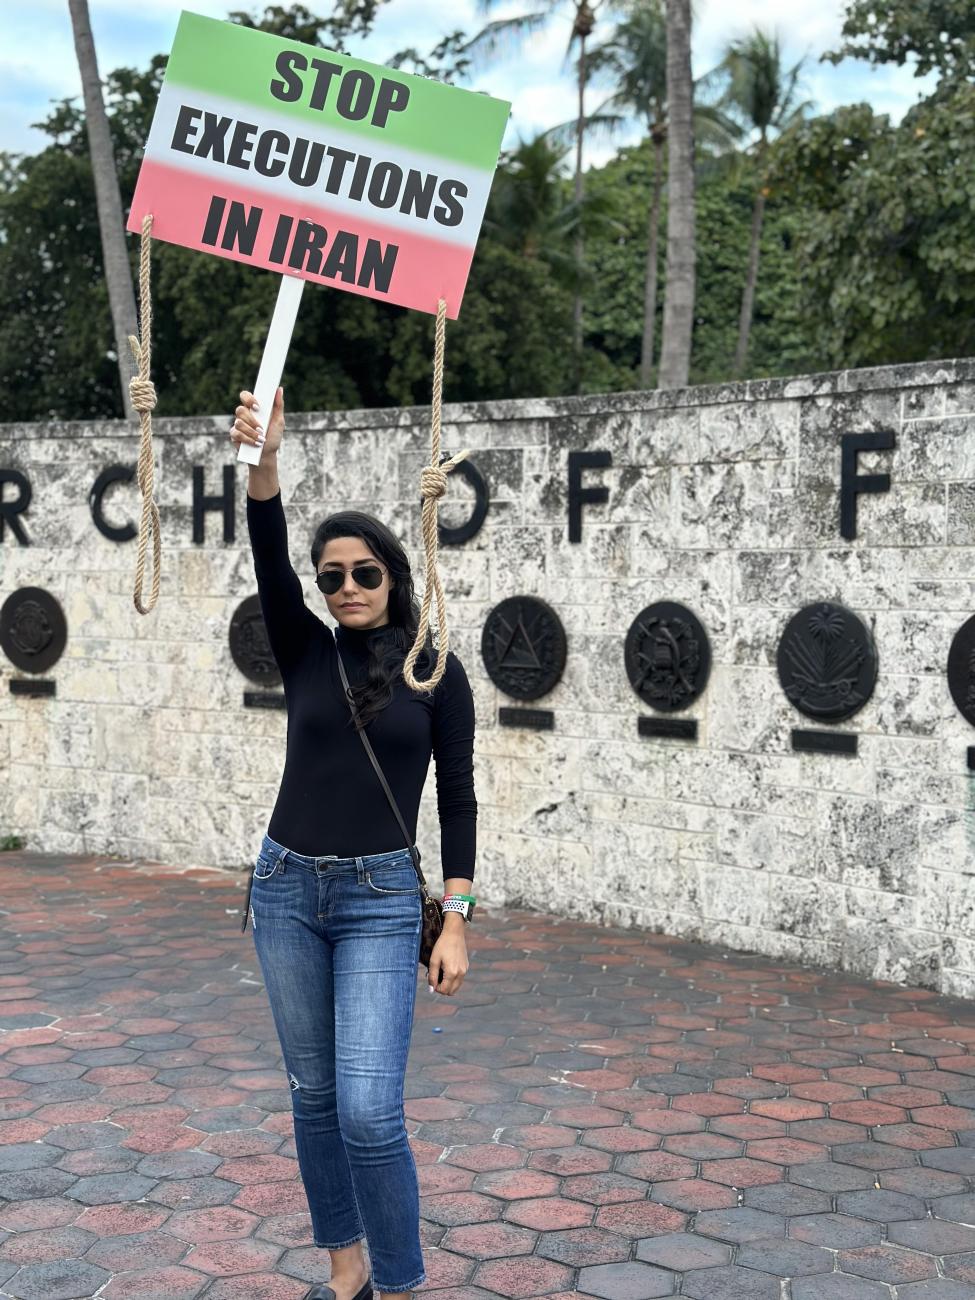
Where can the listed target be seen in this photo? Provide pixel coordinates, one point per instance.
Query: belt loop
(283, 860)
(360, 871)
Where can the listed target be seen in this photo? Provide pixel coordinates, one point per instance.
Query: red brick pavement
(602, 1112)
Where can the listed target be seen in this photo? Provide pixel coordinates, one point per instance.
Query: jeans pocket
(264, 868)
(396, 878)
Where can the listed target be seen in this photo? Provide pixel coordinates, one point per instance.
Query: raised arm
(289, 622)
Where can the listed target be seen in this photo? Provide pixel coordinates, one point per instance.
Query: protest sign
(316, 165)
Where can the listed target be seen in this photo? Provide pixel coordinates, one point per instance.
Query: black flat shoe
(324, 1292)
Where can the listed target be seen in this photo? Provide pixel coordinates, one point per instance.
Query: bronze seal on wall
(961, 670)
(249, 646)
(827, 662)
(523, 646)
(667, 656)
(33, 629)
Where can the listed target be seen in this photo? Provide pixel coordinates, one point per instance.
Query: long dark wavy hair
(386, 653)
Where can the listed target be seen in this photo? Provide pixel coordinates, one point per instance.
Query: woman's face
(353, 604)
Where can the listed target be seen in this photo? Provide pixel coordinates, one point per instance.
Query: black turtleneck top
(331, 800)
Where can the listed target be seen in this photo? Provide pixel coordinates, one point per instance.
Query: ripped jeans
(338, 942)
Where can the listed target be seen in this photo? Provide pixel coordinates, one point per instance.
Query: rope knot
(433, 482)
(143, 393)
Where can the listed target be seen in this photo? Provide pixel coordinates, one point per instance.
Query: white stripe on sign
(206, 135)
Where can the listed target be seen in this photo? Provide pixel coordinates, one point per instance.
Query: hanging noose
(433, 485)
(143, 395)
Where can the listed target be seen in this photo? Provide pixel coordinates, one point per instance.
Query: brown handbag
(432, 907)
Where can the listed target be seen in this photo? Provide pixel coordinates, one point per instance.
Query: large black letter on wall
(202, 503)
(852, 483)
(9, 510)
(580, 496)
(471, 527)
(114, 474)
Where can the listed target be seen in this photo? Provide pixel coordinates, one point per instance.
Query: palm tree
(118, 275)
(637, 54)
(675, 351)
(493, 37)
(531, 213)
(764, 95)
(636, 57)
(527, 211)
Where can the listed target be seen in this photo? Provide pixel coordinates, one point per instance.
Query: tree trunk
(675, 351)
(118, 276)
(650, 286)
(579, 244)
(751, 280)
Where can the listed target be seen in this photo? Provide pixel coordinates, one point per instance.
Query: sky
(37, 59)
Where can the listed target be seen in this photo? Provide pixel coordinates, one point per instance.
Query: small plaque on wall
(265, 700)
(671, 728)
(534, 719)
(824, 742)
(25, 686)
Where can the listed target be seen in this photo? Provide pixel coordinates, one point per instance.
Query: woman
(335, 905)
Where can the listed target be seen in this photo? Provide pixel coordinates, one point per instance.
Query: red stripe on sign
(309, 240)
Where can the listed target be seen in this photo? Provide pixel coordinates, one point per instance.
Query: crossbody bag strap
(379, 772)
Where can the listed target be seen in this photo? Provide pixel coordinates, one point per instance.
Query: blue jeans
(338, 942)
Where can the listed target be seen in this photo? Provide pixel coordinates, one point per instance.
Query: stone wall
(725, 499)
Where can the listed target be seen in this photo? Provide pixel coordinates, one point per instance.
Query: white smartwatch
(463, 903)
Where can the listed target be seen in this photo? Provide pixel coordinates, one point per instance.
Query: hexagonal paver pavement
(600, 1113)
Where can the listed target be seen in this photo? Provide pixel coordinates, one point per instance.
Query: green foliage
(887, 229)
(56, 342)
(448, 61)
(512, 339)
(867, 253)
(937, 34)
(779, 342)
(614, 303)
(210, 315)
(724, 207)
(349, 19)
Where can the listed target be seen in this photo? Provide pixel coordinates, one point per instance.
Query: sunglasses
(369, 576)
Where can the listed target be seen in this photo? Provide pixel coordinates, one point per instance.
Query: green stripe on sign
(239, 62)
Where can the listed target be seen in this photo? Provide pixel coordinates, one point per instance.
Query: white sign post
(275, 354)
